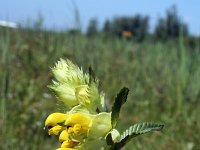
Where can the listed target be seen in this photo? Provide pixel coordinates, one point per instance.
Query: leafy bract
(135, 130)
(119, 101)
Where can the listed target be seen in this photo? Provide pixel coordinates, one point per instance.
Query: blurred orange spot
(127, 34)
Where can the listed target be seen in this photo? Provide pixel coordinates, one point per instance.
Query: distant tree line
(137, 27)
(171, 26)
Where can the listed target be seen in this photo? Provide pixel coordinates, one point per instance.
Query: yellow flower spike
(52, 123)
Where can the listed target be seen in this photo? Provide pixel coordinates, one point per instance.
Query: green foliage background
(163, 79)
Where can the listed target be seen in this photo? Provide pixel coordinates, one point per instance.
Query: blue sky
(59, 13)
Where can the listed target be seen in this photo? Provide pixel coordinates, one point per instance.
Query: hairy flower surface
(67, 72)
(68, 77)
(73, 87)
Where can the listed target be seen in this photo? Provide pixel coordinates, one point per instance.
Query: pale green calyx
(65, 93)
(88, 95)
(73, 87)
(100, 125)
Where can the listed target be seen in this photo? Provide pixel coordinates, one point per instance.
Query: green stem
(5, 81)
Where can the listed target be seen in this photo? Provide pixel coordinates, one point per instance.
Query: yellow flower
(85, 131)
(65, 140)
(87, 125)
(55, 130)
(52, 123)
(64, 136)
(79, 123)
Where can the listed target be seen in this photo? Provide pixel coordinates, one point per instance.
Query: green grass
(163, 79)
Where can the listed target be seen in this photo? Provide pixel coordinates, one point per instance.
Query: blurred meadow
(161, 70)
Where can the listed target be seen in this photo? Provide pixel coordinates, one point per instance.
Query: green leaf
(135, 130)
(119, 101)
